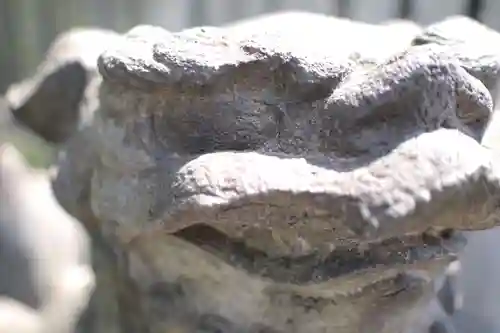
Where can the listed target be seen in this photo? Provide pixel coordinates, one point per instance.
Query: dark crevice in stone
(316, 266)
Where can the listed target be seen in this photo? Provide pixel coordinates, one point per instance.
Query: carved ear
(52, 108)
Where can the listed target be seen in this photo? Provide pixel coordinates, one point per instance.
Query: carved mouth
(319, 266)
(206, 274)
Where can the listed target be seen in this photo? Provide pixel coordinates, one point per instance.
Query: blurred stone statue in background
(46, 277)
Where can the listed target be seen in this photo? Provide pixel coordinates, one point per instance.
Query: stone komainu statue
(255, 178)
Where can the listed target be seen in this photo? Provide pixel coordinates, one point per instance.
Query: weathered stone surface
(458, 29)
(46, 275)
(271, 182)
(61, 95)
(475, 45)
(268, 122)
(371, 41)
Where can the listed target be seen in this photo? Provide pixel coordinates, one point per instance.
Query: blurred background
(27, 27)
